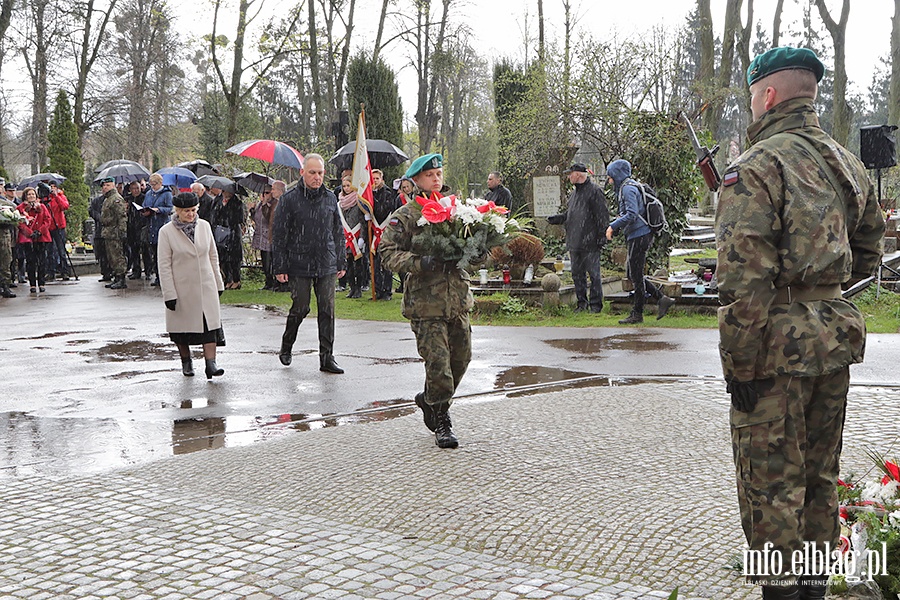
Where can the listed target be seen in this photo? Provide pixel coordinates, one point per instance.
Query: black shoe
(155, 282)
(355, 293)
(13, 284)
(632, 319)
(597, 309)
(285, 357)
(427, 412)
(443, 434)
(42, 288)
(663, 306)
(34, 290)
(105, 278)
(212, 370)
(327, 364)
(4, 292)
(135, 276)
(780, 592)
(21, 280)
(187, 367)
(119, 283)
(65, 277)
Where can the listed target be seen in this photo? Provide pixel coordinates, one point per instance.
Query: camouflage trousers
(115, 254)
(5, 254)
(446, 347)
(786, 454)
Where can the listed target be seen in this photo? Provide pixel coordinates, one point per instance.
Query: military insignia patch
(730, 178)
(394, 221)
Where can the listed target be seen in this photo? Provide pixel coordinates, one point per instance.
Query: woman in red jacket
(34, 236)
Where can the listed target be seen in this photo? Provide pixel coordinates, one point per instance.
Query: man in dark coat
(586, 219)
(308, 254)
(497, 192)
(207, 202)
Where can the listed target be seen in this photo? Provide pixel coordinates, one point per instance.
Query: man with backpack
(638, 237)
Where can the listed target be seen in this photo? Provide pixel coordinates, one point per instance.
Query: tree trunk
(384, 7)
(428, 118)
(707, 71)
(745, 45)
(87, 56)
(894, 118)
(842, 112)
(6, 11)
(541, 30)
(776, 23)
(719, 94)
(37, 69)
(314, 65)
(345, 56)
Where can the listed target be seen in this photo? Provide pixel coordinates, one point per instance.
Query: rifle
(704, 158)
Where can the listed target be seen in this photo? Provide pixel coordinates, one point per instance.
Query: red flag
(362, 170)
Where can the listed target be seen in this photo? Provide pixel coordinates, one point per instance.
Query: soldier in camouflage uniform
(797, 219)
(114, 218)
(436, 300)
(7, 233)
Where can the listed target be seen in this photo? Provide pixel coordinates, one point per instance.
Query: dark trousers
(357, 272)
(230, 263)
(384, 279)
(34, 262)
(637, 261)
(153, 267)
(584, 264)
(266, 257)
(100, 255)
(301, 287)
(56, 254)
(139, 257)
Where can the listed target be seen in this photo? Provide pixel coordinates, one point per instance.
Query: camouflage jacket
(426, 294)
(781, 222)
(114, 217)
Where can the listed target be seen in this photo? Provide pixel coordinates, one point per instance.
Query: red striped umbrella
(276, 153)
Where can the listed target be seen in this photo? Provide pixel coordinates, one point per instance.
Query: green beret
(106, 180)
(779, 59)
(423, 163)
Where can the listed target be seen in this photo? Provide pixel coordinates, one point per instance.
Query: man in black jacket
(586, 219)
(497, 192)
(308, 254)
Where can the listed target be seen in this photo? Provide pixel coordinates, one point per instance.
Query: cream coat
(189, 273)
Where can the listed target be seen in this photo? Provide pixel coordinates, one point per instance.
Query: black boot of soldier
(812, 588)
(443, 434)
(428, 414)
(119, 283)
(288, 339)
(780, 592)
(4, 291)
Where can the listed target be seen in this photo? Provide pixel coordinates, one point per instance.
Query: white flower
(422, 222)
(497, 222)
(876, 492)
(467, 214)
(894, 519)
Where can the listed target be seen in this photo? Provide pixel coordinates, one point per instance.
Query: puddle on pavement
(135, 350)
(52, 334)
(57, 446)
(531, 375)
(632, 342)
(524, 376)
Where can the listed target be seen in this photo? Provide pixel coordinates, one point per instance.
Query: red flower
(893, 470)
(434, 212)
(491, 207)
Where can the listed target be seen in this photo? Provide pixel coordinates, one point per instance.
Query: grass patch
(882, 314)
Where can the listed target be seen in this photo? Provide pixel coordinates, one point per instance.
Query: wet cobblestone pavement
(597, 492)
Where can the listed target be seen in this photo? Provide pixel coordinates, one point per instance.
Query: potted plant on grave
(523, 250)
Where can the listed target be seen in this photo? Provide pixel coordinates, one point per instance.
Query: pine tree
(64, 157)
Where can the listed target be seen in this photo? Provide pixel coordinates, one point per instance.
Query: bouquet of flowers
(462, 231)
(11, 217)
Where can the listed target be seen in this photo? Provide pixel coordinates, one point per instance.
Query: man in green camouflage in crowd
(7, 233)
(114, 218)
(797, 219)
(436, 300)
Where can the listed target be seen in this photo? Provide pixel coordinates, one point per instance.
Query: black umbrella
(123, 173)
(118, 161)
(381, 154)
(222, 183)
(33, 180)
(199, 167)
(255, 182)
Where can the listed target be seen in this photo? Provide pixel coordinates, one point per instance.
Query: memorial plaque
(547, 192)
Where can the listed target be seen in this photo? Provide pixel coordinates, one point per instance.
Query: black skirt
(193, 338)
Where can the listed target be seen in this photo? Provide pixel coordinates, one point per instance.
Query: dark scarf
(186, 228)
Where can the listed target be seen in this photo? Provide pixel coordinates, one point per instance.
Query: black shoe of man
(427, 412)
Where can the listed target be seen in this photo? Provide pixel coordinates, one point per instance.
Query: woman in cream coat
(191, 284)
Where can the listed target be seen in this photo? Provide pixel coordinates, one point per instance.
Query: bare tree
(894, 118)
(745, 43)
(776, 23)
(6, 12)
(378, 36)
(234, 88)
(541, 55)
(87, 50)
(838, 29)
(37, 50)
(716, 87)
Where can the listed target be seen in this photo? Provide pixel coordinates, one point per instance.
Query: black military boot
(119, 283)
(355, 292)
(812, 587)
(780, 592)
(662, 306)
(187, 367)
(4, 292)
(327, 364)
(428, 414)
(212, 370)
(634, 317)
(443, 434)
(288, 339)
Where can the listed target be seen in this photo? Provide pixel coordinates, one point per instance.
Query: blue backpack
(653, 212)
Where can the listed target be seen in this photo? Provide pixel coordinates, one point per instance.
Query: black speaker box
(878, 146)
